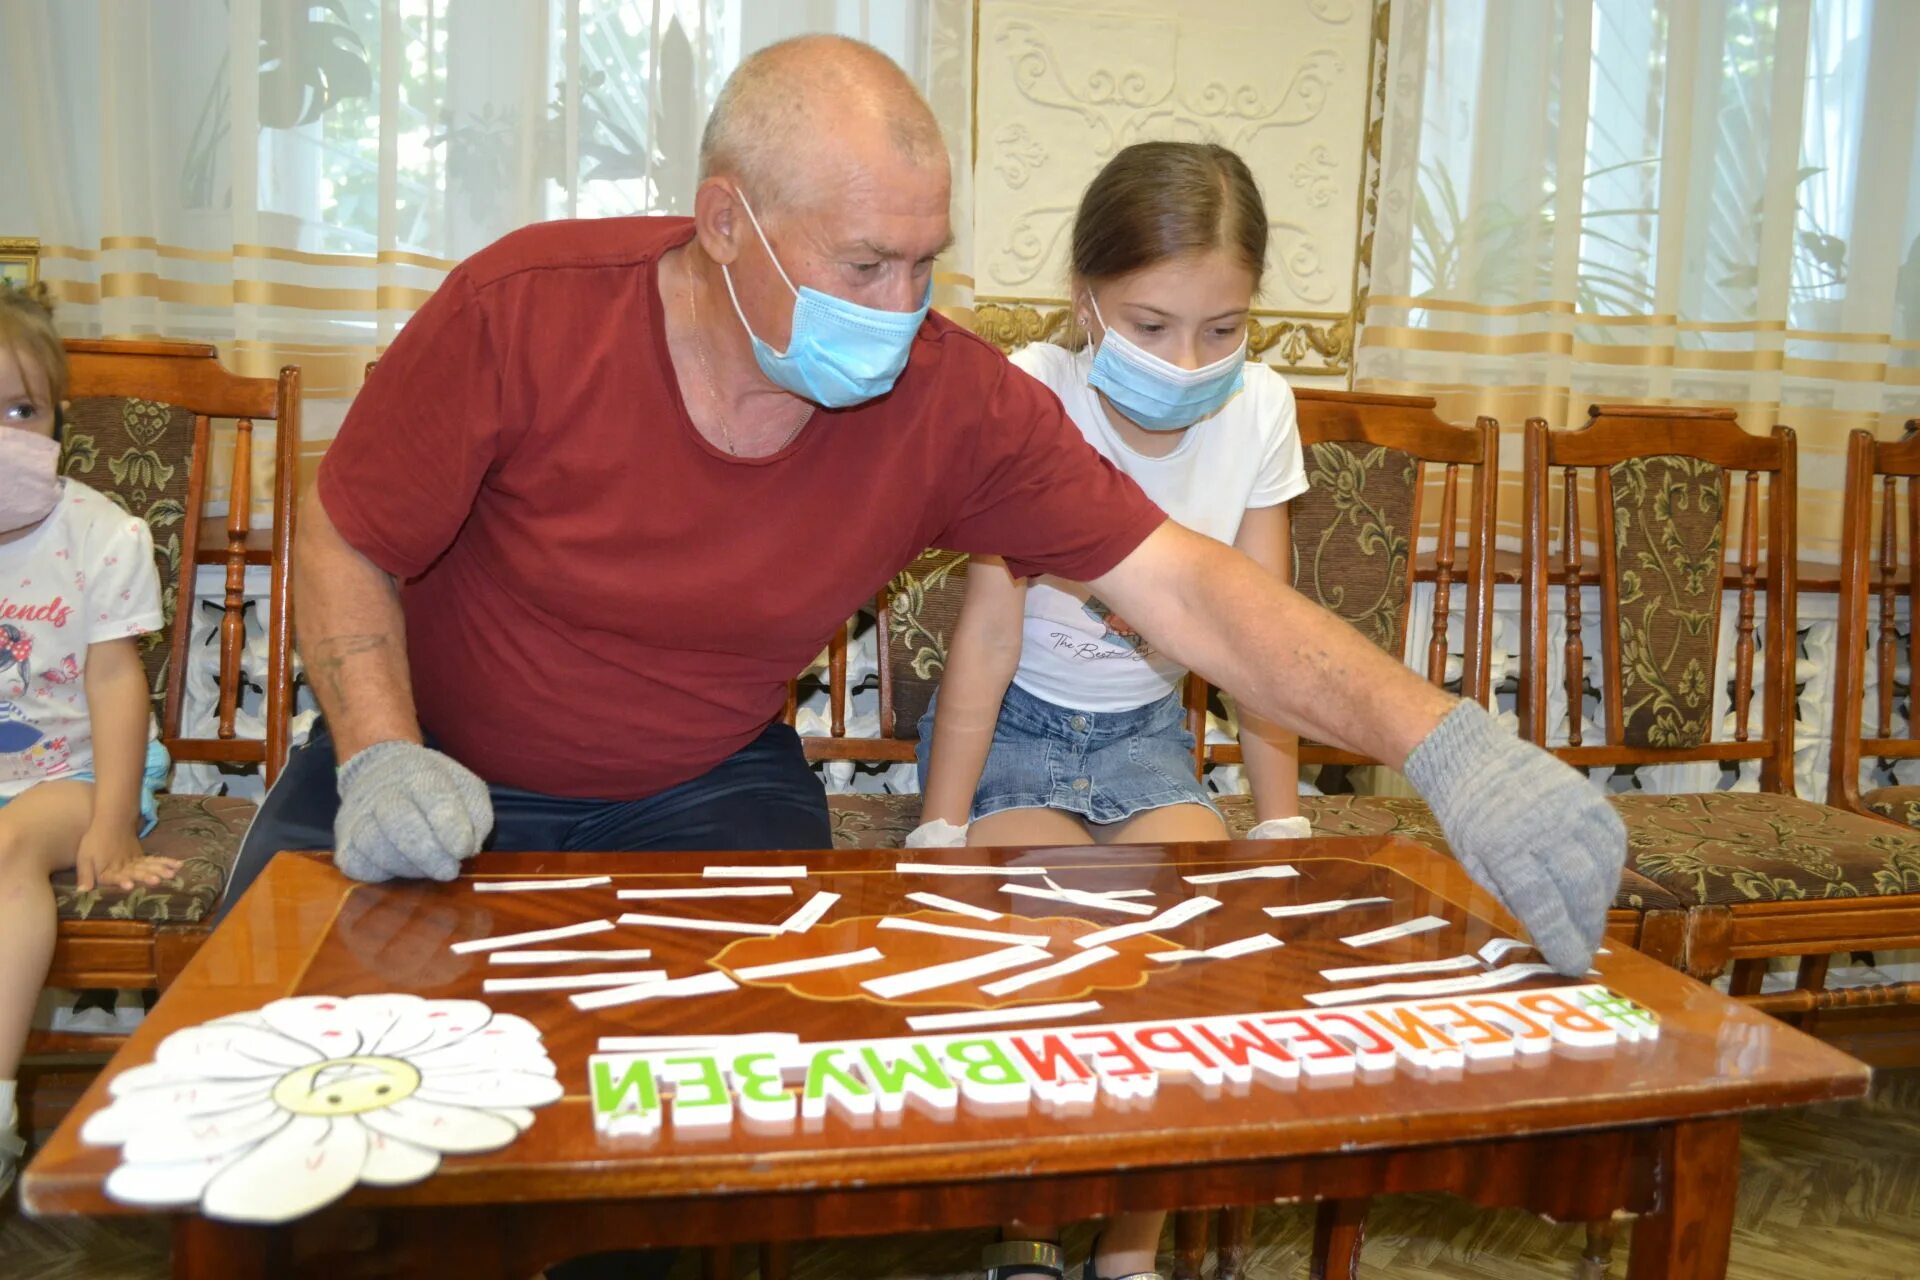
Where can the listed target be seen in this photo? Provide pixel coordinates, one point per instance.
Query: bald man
(619, 480)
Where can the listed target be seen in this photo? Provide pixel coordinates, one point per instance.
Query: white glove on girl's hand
(1282, 829)
(938, 834)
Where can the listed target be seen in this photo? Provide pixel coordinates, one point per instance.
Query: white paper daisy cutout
(266, 1116)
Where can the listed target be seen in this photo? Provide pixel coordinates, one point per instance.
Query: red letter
(1337, 1058)
(1244, 1048)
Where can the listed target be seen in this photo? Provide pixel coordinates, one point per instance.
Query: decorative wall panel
(1289, 84)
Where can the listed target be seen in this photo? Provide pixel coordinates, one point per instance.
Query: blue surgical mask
(1156, 393)
(840, 353)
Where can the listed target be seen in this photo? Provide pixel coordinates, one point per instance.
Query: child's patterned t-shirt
(83, 575)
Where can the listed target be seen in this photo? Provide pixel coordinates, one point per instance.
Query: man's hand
(110, 856)
(1536, 833)
(408, 812)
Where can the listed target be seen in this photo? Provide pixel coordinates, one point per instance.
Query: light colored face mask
(839, 353)
(1156, 393)
(29, 478)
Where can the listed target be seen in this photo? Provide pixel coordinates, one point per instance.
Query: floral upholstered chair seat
(1730, 846)
(1410, 817)
(204, 833)
(1902, 804)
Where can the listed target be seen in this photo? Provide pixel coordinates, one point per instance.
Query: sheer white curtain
(1676, 201)
(292, 178)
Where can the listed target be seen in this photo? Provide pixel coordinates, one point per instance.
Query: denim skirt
(1104, 766)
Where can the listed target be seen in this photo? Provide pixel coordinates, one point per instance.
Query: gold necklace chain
(706, 372)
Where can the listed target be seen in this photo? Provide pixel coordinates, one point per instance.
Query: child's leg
(40, 831)
(1011, 827)
(1128, 1244)
(1169, 824)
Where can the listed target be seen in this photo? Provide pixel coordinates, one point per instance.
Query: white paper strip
(658, 1044)
(575, 981)
(942, 869)
(1423, 925)
(810, 914)
(1000, 1017)
(1438, 987)
(536, 935)
(1225, 951)
(1051, 883)
(1244, 946)
(813, 964)
(1046, 973)
(955, 931)
(1360, 972)
(529, 886)
(1075, 898)
(700, 984)
(729, 891)
(1499, 947)
(1316, 908)
(1174, 915)
(687, 922)
(939, 903)
(755, 873)
(1256, 873)
(942, 975)
(569, 957)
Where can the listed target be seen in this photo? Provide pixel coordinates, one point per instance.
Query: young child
(1056, 723)
(77, 761)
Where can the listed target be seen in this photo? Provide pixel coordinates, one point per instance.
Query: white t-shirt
(1074, 654)
(83, 575)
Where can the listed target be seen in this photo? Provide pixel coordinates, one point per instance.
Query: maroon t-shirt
(599, 603)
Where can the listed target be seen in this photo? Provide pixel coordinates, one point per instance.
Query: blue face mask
(839, 353)
(1157, 394)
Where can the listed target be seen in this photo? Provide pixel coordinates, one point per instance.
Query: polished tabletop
(304, 929)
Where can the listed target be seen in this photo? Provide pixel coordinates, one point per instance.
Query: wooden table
(1651, 1127)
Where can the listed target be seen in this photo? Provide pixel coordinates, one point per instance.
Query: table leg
(1235, 1243)
(1339, 1229)
(776, 1260)
(716, 1262)
(1189, 1243)
(1687, 1237)
(206, 1250)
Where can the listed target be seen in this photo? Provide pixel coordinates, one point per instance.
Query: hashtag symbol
(1616, 1009)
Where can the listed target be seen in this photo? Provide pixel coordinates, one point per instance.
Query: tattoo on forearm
(326, 666)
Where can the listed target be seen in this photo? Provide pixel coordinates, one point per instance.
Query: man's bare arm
(1523, 824)
(1279, 654)
(352, 636)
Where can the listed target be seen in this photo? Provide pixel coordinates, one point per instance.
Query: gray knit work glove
(408, 812)
(1538, 835)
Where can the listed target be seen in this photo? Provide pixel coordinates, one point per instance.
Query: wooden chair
(1759, 874)
(1356, 535)
(140, 431)
(1862, 582)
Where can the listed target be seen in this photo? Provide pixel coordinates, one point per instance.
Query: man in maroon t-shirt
(619, 480)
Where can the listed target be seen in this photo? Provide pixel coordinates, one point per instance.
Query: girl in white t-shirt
(1055, 722)
(77, 764)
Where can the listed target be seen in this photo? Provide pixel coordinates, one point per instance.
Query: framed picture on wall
(19, 260)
